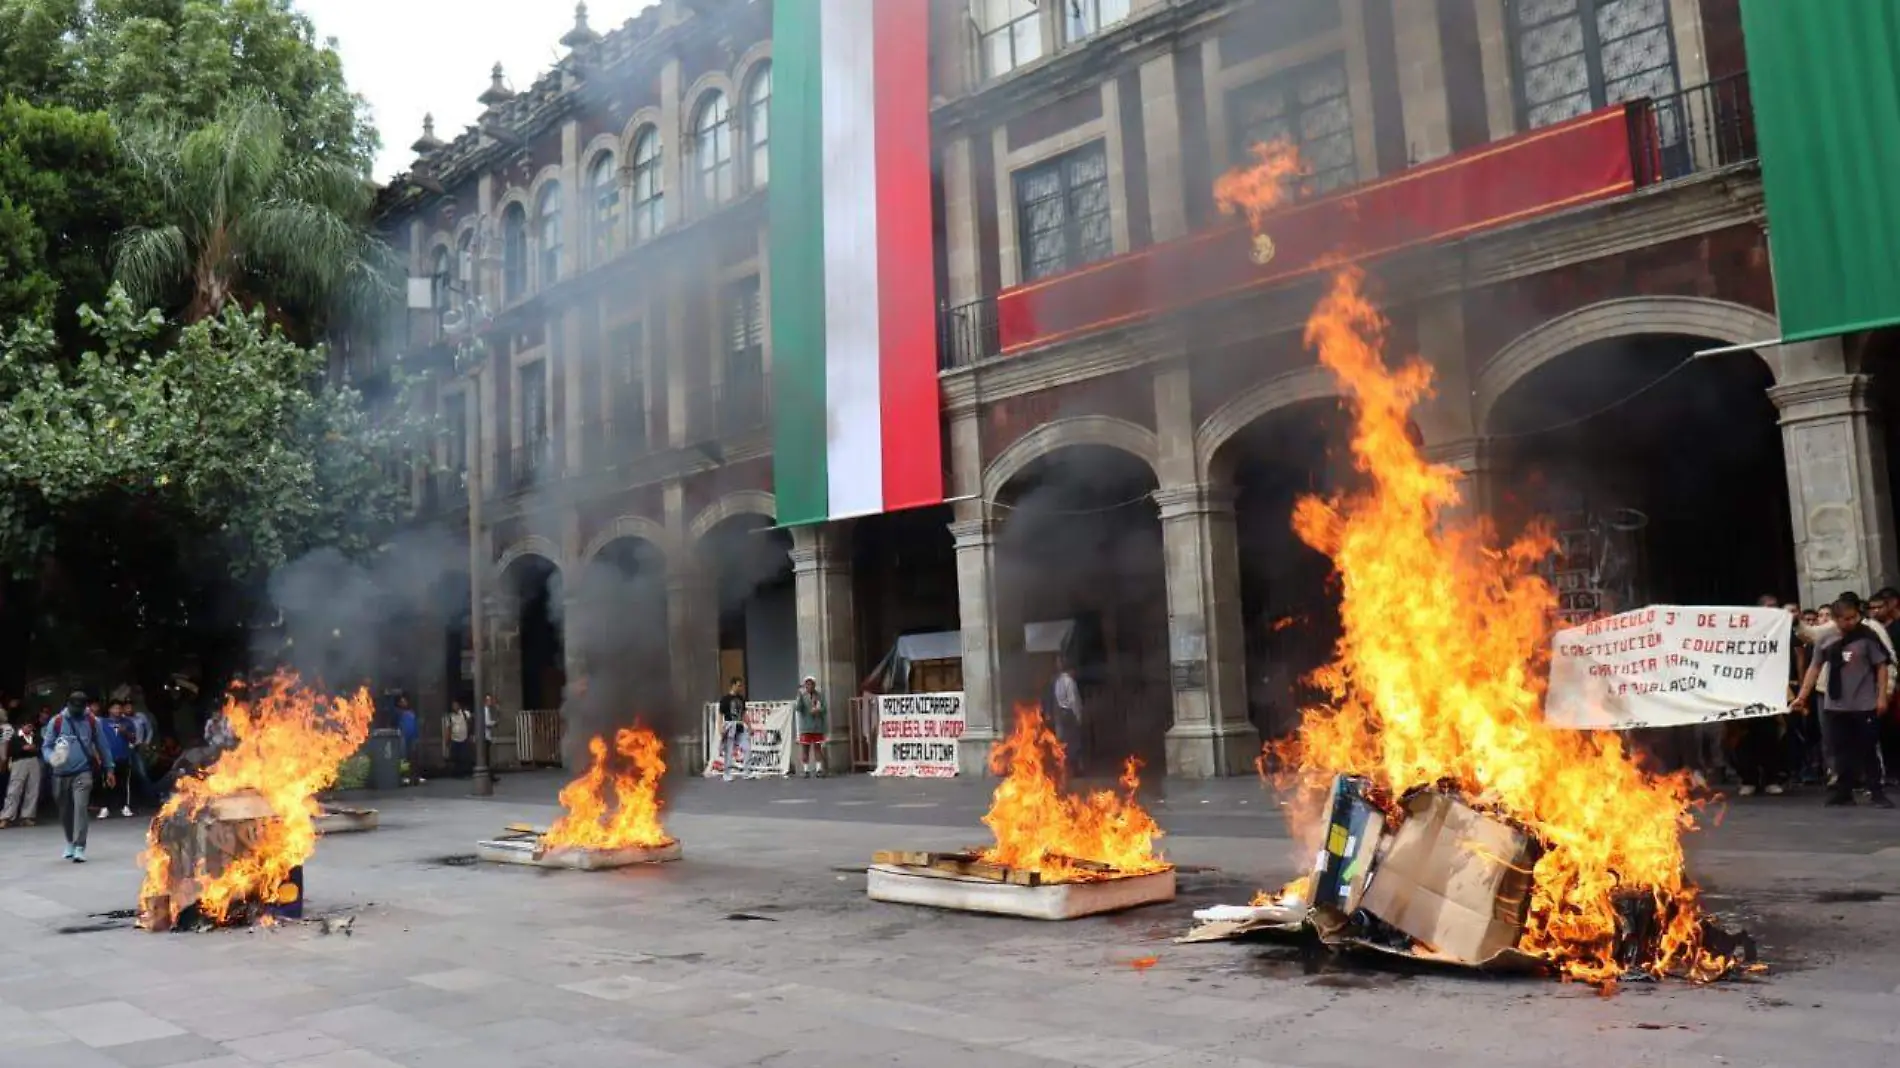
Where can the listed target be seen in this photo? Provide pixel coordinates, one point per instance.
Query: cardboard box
(1353, 829)
(1455, 879)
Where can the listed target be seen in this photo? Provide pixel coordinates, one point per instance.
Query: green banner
(1825, 79)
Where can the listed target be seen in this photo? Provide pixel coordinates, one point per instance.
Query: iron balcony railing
(531, 465)
(609, 442)
(966, 333)
(732, 409)
(1702, 128)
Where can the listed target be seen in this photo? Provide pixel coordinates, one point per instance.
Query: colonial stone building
(1557, 205)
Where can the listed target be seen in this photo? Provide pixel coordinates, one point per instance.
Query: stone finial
(581, 34)
(498, 91)
(428, 142)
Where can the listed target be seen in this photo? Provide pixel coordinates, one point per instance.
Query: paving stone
(110, 1023)
(279, 1047)
(166, 1052)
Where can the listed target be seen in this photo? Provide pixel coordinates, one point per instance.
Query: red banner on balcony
(1547, 170)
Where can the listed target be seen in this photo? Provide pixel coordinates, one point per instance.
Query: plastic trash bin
(385, 760)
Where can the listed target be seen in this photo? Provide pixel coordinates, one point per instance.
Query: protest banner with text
(917, 734)
(766, 743)
(1670, 666)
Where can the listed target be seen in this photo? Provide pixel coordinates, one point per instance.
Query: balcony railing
(1702, 128)
(966, 333)
(732, 409)
(446, 489)
(609, 442)
(531, 465)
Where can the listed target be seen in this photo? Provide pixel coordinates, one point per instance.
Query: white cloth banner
(766, 744)
(917, 734)
(1670, 666)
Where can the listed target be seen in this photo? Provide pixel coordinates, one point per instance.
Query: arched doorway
(535, 587)
(1663, 474)
(750, 563)
(619, 629)
(1289, 599)
(1079, 567)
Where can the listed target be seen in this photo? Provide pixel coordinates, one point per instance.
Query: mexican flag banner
(854, 339)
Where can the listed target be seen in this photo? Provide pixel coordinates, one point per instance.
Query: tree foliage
(243, 217)
(228, 428)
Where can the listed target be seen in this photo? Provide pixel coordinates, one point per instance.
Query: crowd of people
(85, 753)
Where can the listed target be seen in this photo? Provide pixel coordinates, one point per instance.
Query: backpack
(63, 739)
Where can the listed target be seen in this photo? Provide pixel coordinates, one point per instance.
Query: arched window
(712, 149)
(441, 277)
(649, 189)
(514, 254)
(467, 271)
(604, 182)
(547, 215)
(758, 113)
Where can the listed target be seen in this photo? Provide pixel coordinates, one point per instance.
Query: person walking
(733, 743)
(23, 781)
(458, 739)
(76, 751)
(119, 741)
(1859, 671)
(808, 712)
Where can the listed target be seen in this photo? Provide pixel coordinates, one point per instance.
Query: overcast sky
(408, 57)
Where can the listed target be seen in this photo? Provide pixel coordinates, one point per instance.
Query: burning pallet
(200, 848)
(966, 882)
(336, 820)
(521, 843)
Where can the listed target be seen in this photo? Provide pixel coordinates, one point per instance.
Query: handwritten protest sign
(1670, 666)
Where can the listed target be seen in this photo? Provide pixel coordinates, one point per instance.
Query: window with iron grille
(1574, 56)
(758, 127)
(1085, 18)
(628, 350)
(1008, 34)
(514, 253)
(1062, 212)
(745, 331)
(712, 149)
(534, 411)
(548, 221)
(649, 191)
(1307, 107)
(604, 179)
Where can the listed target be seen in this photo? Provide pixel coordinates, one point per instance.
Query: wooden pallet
(968, 864)
(518, 831)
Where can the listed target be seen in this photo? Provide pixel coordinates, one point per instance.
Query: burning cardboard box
(1058, 856)
(208, 853)
(611, 818)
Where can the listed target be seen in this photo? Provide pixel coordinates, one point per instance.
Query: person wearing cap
(809, 711)
(1859, 669)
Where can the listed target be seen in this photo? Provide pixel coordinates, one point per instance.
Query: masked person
(77, 752)
(1859, 668)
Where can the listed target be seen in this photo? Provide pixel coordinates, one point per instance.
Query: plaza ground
(761, 949)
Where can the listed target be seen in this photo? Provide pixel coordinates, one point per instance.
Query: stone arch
(695, 96)
(740, 502)
(532, 545)
(1138, 441)
(1253, 404)
(628, 526)
(549, 173)
(606, 142)
(645, 117)
(514, 195)
(749, 62)
(1718, 320)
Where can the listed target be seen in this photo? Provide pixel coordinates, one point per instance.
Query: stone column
(1836, 454)
(1161, 144)
(962, 236)
(990, 635)
(1423, 102)
(692, 626)
(1212, 734)
(827, 628)
(1494, 50)
(502, 629)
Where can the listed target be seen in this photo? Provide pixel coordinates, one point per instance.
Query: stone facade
(632, 317)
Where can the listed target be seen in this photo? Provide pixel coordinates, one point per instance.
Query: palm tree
(248, 220)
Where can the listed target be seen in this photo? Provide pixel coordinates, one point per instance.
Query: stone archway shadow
(1120, 434)
(741, 502)
(1249, 407)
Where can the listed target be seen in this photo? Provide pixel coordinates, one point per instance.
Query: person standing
(458, 739)
(76, 751)
(809, 714)
(23, 782)
(733, 745)
(1828, 625)
(1859, 669)
(1067, 697)
(119, 741)
(411, 731)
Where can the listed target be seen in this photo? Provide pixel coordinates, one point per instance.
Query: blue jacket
(118, 739)
(87, 733)
(406, 723)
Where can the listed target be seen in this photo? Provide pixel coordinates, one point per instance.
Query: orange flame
(1436, 677)
(614, 809)
(290, 743)
(1041, 829)
(1260, 187)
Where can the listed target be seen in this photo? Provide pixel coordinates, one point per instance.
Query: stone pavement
(760, 949)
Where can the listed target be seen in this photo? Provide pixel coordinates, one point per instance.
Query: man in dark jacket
(76, 750)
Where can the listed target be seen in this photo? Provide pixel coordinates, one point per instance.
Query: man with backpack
(76, 750)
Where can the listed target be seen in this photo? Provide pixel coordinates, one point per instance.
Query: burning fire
(614, 809)
(1065, 837)
(1258, 189)
(290, 742)
(1436, 675)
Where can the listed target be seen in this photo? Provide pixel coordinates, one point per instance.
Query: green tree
(245, 218)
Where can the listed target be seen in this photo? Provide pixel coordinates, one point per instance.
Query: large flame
(1257, 189)
(1040, 828)
(290, 743)
(615, 804)
(1438, 675)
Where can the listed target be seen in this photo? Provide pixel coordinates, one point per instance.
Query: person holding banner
(809, 713)
(1859, 670)
(732, 733)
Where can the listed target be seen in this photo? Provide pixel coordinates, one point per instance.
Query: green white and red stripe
(854, 340)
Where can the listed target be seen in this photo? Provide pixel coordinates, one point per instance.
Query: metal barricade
(863, 733)
(538, 738)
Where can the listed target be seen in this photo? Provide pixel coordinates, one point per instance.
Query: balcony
(1597, 157)
(528, 467)
(1700, 129)
(731, 409)
(608, 443)
(445, 490)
